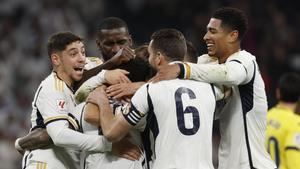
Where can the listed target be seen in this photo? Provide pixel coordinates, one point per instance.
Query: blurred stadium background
(25, 26)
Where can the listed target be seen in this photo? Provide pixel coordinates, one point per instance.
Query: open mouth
(78, 69)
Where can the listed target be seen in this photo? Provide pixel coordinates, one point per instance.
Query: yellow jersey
(283, 137)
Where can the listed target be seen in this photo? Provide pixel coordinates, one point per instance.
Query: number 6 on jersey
(180, 112)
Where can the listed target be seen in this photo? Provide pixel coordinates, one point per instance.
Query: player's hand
(116, 76)
(18, 147)
(120, 90)
(166, 72)
(122, 56)
(125, 149)
(98, 96)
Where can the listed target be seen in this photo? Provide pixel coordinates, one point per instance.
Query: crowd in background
(25, 26)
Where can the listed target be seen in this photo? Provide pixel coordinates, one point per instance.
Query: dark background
(25, 26)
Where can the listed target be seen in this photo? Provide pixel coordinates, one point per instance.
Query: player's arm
(64, 137)
(57, 125)
(91, 114)
(233, 72)
(121, 56)
(229, 73)
(105, 76)
(114, 127)
(35, 139)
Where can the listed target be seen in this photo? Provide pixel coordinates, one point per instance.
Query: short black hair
(142, 51)
(232, 18)
(191, 53)
(139, 69)
(112, 23)
(170, 42)
(289, 87)
(60, 40)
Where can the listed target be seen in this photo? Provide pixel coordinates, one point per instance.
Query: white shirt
(243, 121)
(52, 108)
(108, 160)
(180, 123)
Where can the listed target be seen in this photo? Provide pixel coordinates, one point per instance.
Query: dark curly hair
(232, 19)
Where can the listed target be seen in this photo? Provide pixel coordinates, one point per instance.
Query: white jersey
(52, 105)
(108, 160)
(243, 121)
(179, 114)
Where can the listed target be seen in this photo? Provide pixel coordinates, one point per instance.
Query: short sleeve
(52, 105)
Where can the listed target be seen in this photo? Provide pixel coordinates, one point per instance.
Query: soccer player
(53, 103)
(283, 125)
(177, 113)
(243, 123)
(139, 70)
(115, 44)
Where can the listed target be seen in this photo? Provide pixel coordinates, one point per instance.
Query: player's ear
(233, 36)
(55, 59)
(130, 40)
(158, 58)
(98, 43)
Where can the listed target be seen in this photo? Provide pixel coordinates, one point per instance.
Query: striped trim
(133, 117)
(25, 160)
(41, 165)
(71, 121)
(59, 84)
(74, 120)
(292, 148)
(181, 71)
(247, 99)
(187, 74)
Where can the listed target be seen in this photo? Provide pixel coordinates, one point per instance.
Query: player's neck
(286, 105)
(64, 77)
(230, 51)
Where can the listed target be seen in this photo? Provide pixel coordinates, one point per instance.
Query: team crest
(125, 108)
(297, 139)
(61, 105)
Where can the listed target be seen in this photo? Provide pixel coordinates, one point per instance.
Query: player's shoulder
(206, 59)
(294, 123)
(52, 84)
(92, 62)
(242, 56)
(286, 118)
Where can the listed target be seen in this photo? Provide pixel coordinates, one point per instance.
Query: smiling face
(70, 62)
(216, 38)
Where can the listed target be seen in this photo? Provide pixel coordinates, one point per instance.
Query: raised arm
(124, 55)
(114, 128)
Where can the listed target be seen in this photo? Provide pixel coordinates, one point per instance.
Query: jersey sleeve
(65, 137)
(292, 148)
(52, 104)
(206, 59)
(88, 86)
(139, 106)
(233, 72)
(53, 108)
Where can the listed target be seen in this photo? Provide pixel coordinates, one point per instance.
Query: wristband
(181, 71)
